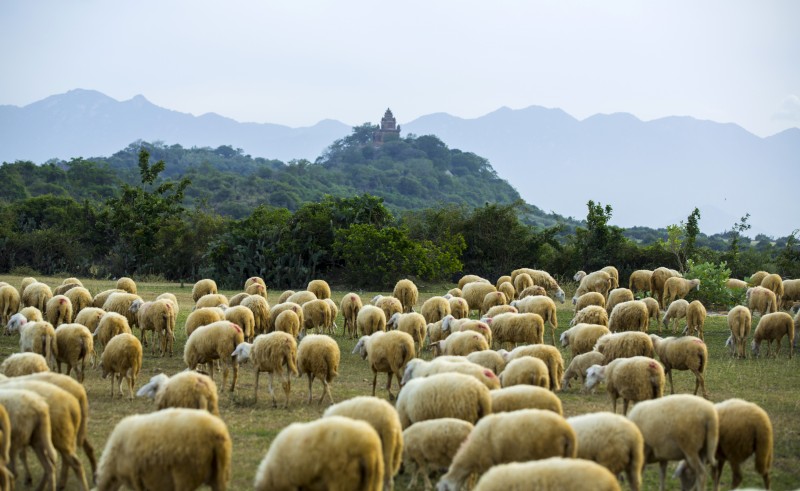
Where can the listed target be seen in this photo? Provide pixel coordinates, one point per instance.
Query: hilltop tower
(389, 130)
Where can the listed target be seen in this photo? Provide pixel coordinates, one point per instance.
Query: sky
(298, 62)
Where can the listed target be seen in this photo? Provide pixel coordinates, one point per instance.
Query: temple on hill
(389, 130)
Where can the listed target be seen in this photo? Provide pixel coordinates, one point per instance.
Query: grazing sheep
(676, 427)
(289, 322)
(773, 327)
(501, 309)
(590, 298)
(460, 343)
(525, 396)
(640, 280)
(592, 314)
(597, 281)
(215, 341)
(192, 390)
(578, 367)
(58, 310)
(158, 316)
(581, 338)
(635, 379)
(412, 324)
(418, 367)
(254, 279)
(271, 353)
(525, 370)
(172, 298)
(331, 328)
(435, 332)
(350, 306)
(126, 284)
(612, 441)
(761, 300)
(334, 452)
(389, 305)
(29, 279)
(554, 473)
(237, 299)
(285, 295)
(19, 364)
(319, 288)
(100, 299)
(9, 303)
(507, 289)
(470, 278)
(543, 279)
(259, 306)
(212, 300)
(202, 317)
(653, 310)
(451, 324)
(503, 279)
(739, 322)
(435, 309)
(406, 291)
(459, 308)
(676, 311)
(532, 291)
(548, 354)
(301, 297)
(203, 287)
(614, 273)
(29, 415)
(757, 278)
(678, 288)
(629, 316)
(791, 293)
(64, 288)
(686, 353)
(275, 311)
(370, 319)
(383, 418)
(453, 292)
(695, 319)
(122, 358)
(617, 296)
(387, 352)
(176, 448)
(36, 337)
(80, 299)
(443, 395)
(75, 344)
(257, 289)
(522, 282)
(657, 280)
(318, 356)
(475, 293)
(244, 318)
(109, 326)
(121, 303)
(543, 306)
(493, 299)
(36, 295)
(490, 359)
(773, 282)
(527, 434)
(516, 328)
(432, 444)
(733, 283)
(624, 345)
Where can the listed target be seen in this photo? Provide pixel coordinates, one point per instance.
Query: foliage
(598, 244)
(713, 293)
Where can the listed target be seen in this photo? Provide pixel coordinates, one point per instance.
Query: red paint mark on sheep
(652, 364)
(236, 327)
(488, 373)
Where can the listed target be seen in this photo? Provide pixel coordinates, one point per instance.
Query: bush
(713, 292)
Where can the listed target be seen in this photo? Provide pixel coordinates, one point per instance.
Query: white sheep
(432, 444)
(202, 317)
(110, 325)
(383, 418)
(444, 395)
(579, 365)
(525, 370)
(36, 295)
(259, 306)
(126, 284)
(122, 358)
(19, 364)
(695, 319)
(525, 396)
(387, 352)
(390, 305)
(9, 303)
(29, 415)
(289, 322)
(639, 280)
(676, 287)
(203, 287)
(614, 272)
(733, 284)
(459, 308)
(590, 298)
(350, 306)
(75, 345)
(773, 282)
(475, 292)
(271, 353)
(158, 316)
(503, 279)
(522, 282)
(450, 364)
(676, 427)
(773, 327)
(406, 291)
(612, 441)
(501, 309)
(331, 327)
(276, 310)
(301, 297)
(254, 279)
(176, 448)
(527, 434)
(635, 379)
(624, 345)
(212, 300)
(617, 296)
(167, 296)
(215, 341)
(187, 389)
(58, 310)
(90, 317)
(490, 359)
(791, 293)
(461, 343)
(513, 328)
(318, 356)
(37, 337)
(761, 300)
(493, 299)
(548, 354)
(657, 280)
(675, 312)
(370, 319)
(597, 281)
(243, 317)
(739, 323)
(757, 278)
(631, 315)
(285, 296)
(470, 278)
(121, 303)
(653, 309)
(591, 314)
(543, 306)
(412, 324)
(319, 288)
(100, 299)
(451, 325)
(507, 289)
(685, 353)
(336, 453)
(581, 338)
(549, 474)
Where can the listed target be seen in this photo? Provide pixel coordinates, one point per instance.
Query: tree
(692, 229)
(733, 251)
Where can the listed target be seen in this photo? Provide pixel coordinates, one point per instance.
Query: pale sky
(298, 62)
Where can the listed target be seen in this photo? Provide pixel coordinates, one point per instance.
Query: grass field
(772, 383)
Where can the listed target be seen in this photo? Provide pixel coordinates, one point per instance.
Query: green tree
(692, 230)
(733, 255)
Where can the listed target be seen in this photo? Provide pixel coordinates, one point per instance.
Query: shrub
(713, 292)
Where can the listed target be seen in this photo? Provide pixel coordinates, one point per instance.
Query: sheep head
(242, 352)
(361, 347)
(393, 321)
(136, 305)
(15, 323)
(564, 339)
(560, 295)
(579, 275)
(408, 374)
(594, 375)
(151, 388)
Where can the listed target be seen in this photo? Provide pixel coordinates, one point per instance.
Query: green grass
(772, 383)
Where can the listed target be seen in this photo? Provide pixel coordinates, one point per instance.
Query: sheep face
(15, 323)
(242, 352)
(560, 295)
(136, 305)
(564, 339)
(393, 321)
(150, 388)
(755, 348)
(361, 347)
(579, 275)
(594, 375)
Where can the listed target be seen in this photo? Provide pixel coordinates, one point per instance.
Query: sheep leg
(235, 375)
(389, 385)
(287, 387)
(28, 478)
(614, 403)
(271, 390)
(327, 391)
(716, 472)
(49, 467)
(693, 459)
(699, 383)
(671, 385)
(131, 382)
(89, 451)
(310, 382)
(625, 403)
(374, 380)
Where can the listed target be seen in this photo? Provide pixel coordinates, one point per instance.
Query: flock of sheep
(485, 407)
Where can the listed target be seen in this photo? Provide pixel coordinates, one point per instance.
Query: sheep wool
(126, 284)
(450, 364)
(80, 299)
(100, 299)
(617, 296)
(676, 287)
(475, 292)
(597, 281)
(511, 328)
(254, 279)
(203, 287)
(470, 278)
(579, 365)
(110, 325)
(773, 282)
(581, 338)
(412, 324)
(739, 322)
(543, 306)
(389, 305)
(624, 345)
(244, 318)
(657, 280)
(590, 298)
(630, 315)
(75, 345)
(500, 309)
(773, 327)
(685, 353)
(406, 291)
(288, 322)
(36, 295)
(490, 359)
(350, 306)
(635, 379)
(36, 337)
(318, 356)
(640, 280)
(122, 358)
(550, 355)
(444, 395)
(744, 429)
(493, 299)
(286, 295)
(319, 288)
(121, 303)
(591, 314)
(507, 289)
(461, 343)
(387, 352)
(202, 317)
(19, 364)
(259, 306)
(432, 444)
(676, 311)
(9, 303)
(271, 353)
(522, 282)
(215, 341)
(370, 319)
(258, 290)
(553, 474)
(459, 308)
(191, 390)
(525, 370)
(211, 300)
(791, 293)
(761, 300)
(519, 397)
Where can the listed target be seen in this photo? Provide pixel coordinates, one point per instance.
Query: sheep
(532, 291)
(109, 326)
(254, 279)
(541, 278)
(522, 282)
(678, 288)
(597, 281)
(122, 358)
(387, 352)
(527, 434)
(318, 356)
(686, 353)
(470, 278)
(733, 283)
(215, 341)
(9, 303)
(159, 316)
(507, 289)
(590, 298)
(757, 278)
(492, 299)
(285, 295)
(548, 354)
(417, 367)
(435, 309)
(331, 327)
(549, 474)
(370, 319)
(406, 291)
(192, 390)
(695, 318)
(259, 306)
(676, 427)
(126, 284)
(500, 309)
(503, 279)
(453, 292)
(640, 280)
(516, 328)
(461, 343)
(657, 280)
(350, 306)
(629, 316)
(28, 280)
(791, 293)
(36, 337)
(18, 364)
(289, 322)
(525, 370)
(739, 322)
(172, 298)
(761, 300)
(579, 365)
(653, 310)
(475, 293)
(411, 323)
(443, 395)
(275, 311)
(335, 452)
(525, 396)
(592, 314)
(773, 327)
(58, 310)
(202, 317)
(258, 290)
(271, 353)
(624, 345)
(100, 299)
(389, 305)
(244, 318)
(635, 379)
(75, 344)
(237, 299)
(36, 295)
(212, 300)
(121, 303)
(433, 444)
(773, 282)
(543, 306)
(675, 312)
(80, 299)
(301, 297)
(459, 308)
(614, 273)
(203, 287)
(383, 418)
(490, 359)
(176, 448)
(617, 296)
(581, 338)
(29, 415)
(319, 288)
(612, 441)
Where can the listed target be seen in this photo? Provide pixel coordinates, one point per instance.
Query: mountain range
(652, 173)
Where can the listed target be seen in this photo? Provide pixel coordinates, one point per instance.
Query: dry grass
(771, 383)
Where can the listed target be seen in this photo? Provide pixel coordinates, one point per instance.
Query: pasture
(772, 383)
